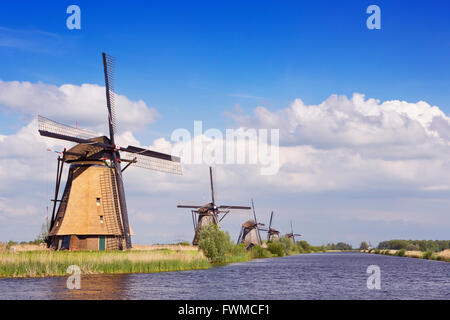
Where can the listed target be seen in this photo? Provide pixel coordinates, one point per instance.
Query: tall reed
(55, 263)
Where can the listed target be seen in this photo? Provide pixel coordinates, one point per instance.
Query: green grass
(428, 255)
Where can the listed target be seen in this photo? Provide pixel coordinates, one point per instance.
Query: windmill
(272, 234)
(249, 234)
(291, 236)
(208, 213)
(92, 212)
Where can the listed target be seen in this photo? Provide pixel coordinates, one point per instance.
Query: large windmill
(291, 236)
(272, 234)
(249, 234)
(92, 212)
(208, 213)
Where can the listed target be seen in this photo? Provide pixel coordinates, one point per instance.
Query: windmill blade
(292, 229)
(53, 129)
(254, 213)
(226, 207)
(109, 65)
(153, 160)
(212, 184)
(270, 223)
(150, 153)
(297, 235)
(189, 206)
(256, 222)
(194, 206)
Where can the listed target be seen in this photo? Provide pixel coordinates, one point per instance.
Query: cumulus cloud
(359, 144)
(341, 146)
(356, 122)
(69, 103)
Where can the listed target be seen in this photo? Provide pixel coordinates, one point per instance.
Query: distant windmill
(272, 234)
(291, 236)
(249, 234)
(208, 213)
(92, 212)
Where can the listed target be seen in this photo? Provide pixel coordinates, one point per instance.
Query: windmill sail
(50, 128)
(109, 65)
(109, 68)
(153, 160)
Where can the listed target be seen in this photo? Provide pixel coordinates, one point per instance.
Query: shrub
(288, 246)
(12, 243)
(184, 243)
(428, 255)
(400, 253)
(303, 246)
(276, 248)
(259, 252)
(214, 243)
(238, 249)
(421, 245)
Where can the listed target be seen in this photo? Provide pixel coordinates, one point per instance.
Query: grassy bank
(43, 263)
(430, 255)
(215, 248)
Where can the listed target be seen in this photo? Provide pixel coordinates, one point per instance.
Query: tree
(364, 246)
(343, 246)
(303, 246)
(214, 243)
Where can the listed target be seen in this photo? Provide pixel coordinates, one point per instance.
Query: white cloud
(69, 103)
(9, 208)
(356, 122)
(341, 146)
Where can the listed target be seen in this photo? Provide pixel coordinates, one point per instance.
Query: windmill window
(98, 202)
(101, 219)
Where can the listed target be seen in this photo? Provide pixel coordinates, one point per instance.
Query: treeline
(15, 243)
(419, 245)
(338, 246)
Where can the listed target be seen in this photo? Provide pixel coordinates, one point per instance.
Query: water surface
(306, 276)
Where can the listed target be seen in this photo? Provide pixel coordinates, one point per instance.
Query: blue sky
(193, 60)
(199, 60)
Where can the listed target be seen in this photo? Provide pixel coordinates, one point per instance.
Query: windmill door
(101, 243)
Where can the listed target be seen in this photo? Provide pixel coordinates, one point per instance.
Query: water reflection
(107, 287)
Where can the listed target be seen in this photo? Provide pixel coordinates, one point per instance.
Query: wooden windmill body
(291, 236)
(249, 234)
(204, 215)
(92, 212)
